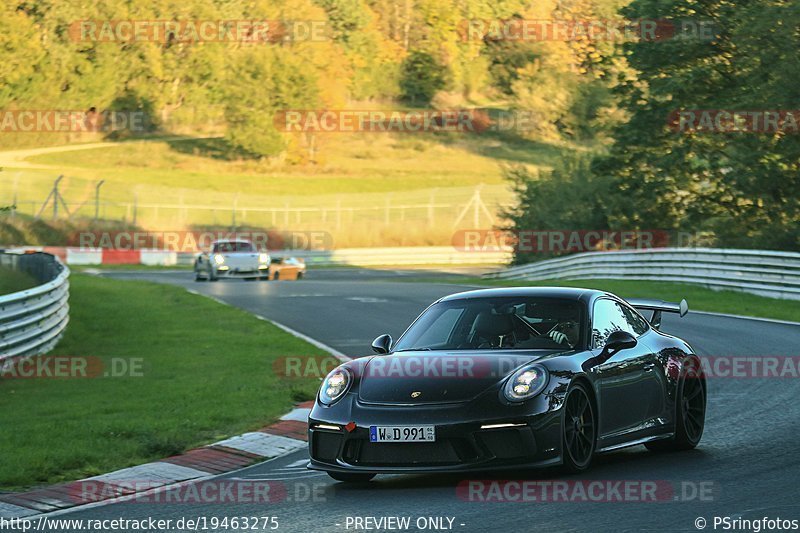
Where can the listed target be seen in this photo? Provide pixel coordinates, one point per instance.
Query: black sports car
(511, 378)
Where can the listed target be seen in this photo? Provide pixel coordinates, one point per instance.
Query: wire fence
(419, 217)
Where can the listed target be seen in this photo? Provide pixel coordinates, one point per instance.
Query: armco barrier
(32, 321)
(767, 273)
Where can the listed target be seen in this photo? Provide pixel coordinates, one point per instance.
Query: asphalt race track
(749, 455)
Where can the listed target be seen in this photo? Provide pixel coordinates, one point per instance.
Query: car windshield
(493, 323)
(233, 246)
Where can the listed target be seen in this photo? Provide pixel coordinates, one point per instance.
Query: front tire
(579, 432)
(351, 477)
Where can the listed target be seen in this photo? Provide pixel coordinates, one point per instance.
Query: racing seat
(491, 328)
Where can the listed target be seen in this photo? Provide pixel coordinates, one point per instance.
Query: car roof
(566, 293)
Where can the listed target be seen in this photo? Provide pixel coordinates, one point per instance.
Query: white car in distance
(232, 259)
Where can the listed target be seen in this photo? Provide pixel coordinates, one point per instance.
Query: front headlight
(335, 385)
(263, 258)
(219, 259)
(526, 383)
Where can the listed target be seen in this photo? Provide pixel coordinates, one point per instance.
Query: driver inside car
(567, 333)
(508, 327)
(564, 320)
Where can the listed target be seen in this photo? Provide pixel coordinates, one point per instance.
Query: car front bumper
(463, 444)
(242, 272)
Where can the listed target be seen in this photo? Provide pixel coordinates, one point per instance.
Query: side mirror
(382, 344)
(617, 341)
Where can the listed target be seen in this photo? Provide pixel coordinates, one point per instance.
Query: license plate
(402, 434)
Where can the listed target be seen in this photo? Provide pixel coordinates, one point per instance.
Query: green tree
(740, 186)
(20, 53)
(264, 82)
(569, 197)
(372, 60)
(421, 77)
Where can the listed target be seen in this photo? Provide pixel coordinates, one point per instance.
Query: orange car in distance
(287, 268)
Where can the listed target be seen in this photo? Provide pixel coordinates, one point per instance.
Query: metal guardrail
(766, 273)
(32, 321)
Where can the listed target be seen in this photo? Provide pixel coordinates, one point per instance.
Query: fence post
(431, 209)
(97, 199)
(233, 213)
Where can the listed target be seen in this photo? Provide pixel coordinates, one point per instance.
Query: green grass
(353, 172)
(350, 164)
(699, 298)
(365, 165)
(13, 281)
(207, 374)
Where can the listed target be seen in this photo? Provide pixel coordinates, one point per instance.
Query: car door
(624, 380)
(654, 385)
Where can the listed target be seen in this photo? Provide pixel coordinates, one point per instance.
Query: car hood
(412, 378)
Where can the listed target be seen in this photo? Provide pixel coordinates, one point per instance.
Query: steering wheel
(556, 327)
(475, 339)
(537, 332)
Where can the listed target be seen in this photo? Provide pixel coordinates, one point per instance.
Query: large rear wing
(659, 306)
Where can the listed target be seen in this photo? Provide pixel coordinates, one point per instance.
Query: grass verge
(14, 281)
(206, 373)
(364, 189)
(699, 298)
